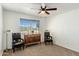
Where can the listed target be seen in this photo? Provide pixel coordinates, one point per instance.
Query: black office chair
(47, 38)
(17, 42)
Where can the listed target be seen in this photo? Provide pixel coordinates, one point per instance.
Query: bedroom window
(29, 26)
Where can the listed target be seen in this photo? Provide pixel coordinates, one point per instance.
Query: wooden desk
(32, 39)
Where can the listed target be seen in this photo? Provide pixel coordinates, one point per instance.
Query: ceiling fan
(45, 10)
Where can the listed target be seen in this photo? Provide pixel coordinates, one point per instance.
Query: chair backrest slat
(16, 36)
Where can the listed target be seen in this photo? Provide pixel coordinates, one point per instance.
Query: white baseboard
(67, 47)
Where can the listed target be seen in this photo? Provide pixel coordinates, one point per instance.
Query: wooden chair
(17, 42)
(47, 38)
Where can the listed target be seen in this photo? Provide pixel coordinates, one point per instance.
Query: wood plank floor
(43, 50)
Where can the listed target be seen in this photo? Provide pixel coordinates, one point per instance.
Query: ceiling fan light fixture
(43, 13)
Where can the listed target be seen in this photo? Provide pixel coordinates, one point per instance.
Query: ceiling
(32, 8)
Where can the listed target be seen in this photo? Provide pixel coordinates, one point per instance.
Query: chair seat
(49, 40)
(18, 43)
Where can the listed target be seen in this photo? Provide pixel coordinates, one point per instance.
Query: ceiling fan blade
(47, 12)
(51, 9)
(45, 7)
(41, 7)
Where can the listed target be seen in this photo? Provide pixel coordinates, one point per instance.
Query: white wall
(12, 22)
(43, 28)
(65, 28)
(1, 28)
